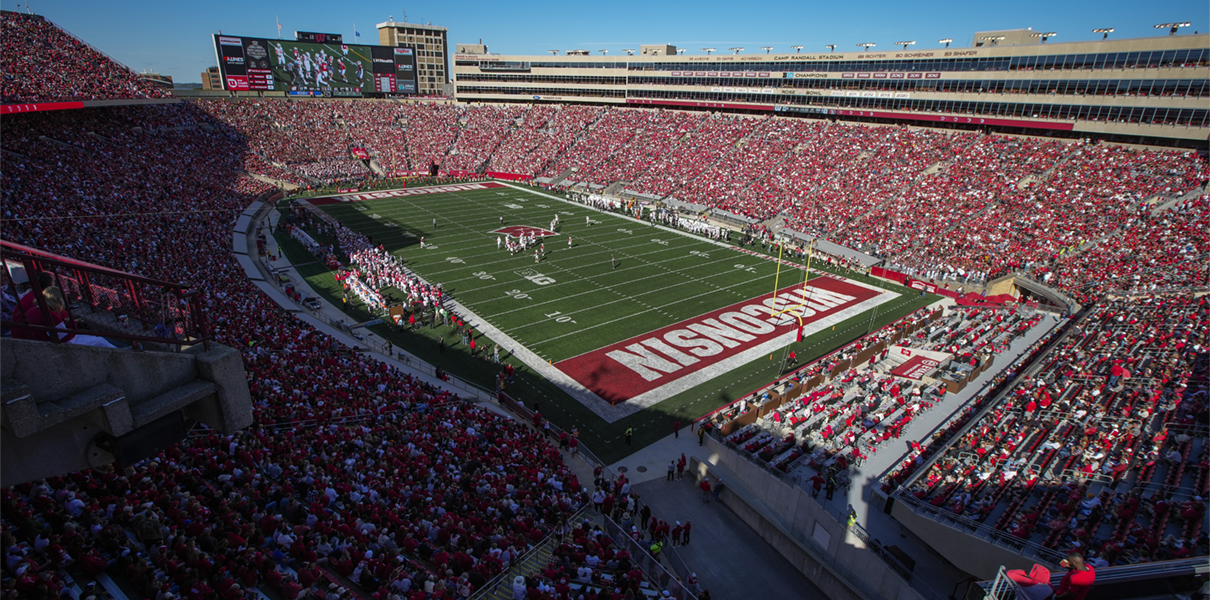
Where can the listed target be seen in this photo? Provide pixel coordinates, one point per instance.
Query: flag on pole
(356, 34)
(278, 27)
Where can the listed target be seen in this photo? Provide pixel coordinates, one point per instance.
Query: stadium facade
(1146, 89)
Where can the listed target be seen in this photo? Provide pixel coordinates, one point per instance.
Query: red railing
(130, 307)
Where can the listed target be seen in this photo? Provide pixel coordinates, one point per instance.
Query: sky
(173, 37)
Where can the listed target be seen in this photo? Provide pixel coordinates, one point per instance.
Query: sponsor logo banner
(916, 367)
(437, 189)
(9, 109)
(656, 365)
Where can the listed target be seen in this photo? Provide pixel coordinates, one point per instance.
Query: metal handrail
(1021, 545)
(187, 309)
(489, 588)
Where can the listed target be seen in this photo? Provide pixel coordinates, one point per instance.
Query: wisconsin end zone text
(687, 353)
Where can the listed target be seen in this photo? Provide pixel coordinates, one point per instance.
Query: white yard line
(612, 413)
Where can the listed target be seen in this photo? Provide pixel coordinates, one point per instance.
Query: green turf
(662, 278)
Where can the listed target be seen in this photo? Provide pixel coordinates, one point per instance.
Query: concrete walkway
(730, 559)
(647, 470)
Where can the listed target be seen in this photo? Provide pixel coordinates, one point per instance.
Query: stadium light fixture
(905, 44)
(1105, 31)
(866, 45)
(737, 49)
(680, 51)
(946, 41)
(629, 51)
(1172, 27)
(796, 49)
(707, 51)
(1048, 34)
(553, 52)
(992, 39)
(603, 52)
(830, 47)
(766, 48)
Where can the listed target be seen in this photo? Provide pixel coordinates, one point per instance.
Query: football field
(618, 323)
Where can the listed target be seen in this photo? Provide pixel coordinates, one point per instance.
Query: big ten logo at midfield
(523, 230)
(535, 276)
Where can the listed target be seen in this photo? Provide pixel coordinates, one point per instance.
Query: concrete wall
(978, 557)
(54, 371)
(801, 530)
(60, 400)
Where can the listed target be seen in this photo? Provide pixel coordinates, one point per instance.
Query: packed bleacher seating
(43, 63)
(277, 518)
(861, 407)
(1104, 447)
(405, 492)
(548, 130)
(480, 133)
(431, 130)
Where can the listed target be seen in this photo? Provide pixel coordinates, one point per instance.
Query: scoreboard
(328, 68)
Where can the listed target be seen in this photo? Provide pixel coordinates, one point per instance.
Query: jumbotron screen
(314, 69)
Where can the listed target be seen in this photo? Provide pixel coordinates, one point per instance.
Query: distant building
(1007, 37)
(657, 50)
(432, 48)
(471, 48)
(164, 81)
(1151, 87)
(212, 79)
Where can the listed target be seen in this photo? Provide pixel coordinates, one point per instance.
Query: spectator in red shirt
(1078, 580)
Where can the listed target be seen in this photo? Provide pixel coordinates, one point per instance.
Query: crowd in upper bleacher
(931, 203)
(43, 63)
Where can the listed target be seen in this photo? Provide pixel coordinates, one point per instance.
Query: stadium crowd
(43, 63)
(1101, 448)
(357, 473)
(163, 208)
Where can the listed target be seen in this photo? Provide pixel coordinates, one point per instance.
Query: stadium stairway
(614, 188)
(61, 144)
(564, 175)
(1196, 191)
(532, 563)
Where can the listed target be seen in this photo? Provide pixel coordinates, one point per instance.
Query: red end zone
(708, 345)
(420, 191)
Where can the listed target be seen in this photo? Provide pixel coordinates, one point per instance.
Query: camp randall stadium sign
(622, 378)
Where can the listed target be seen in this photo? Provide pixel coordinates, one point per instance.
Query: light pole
(866, 45)
(629, 51)
(796, 49)
(766, 48)
(945, 41)
(603, 52)
(553, 52)
(905, 44)
(1048, 34)
(1105, 31)
(1172, 27)
(680, 51)
(707, 51)
(736, 49)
